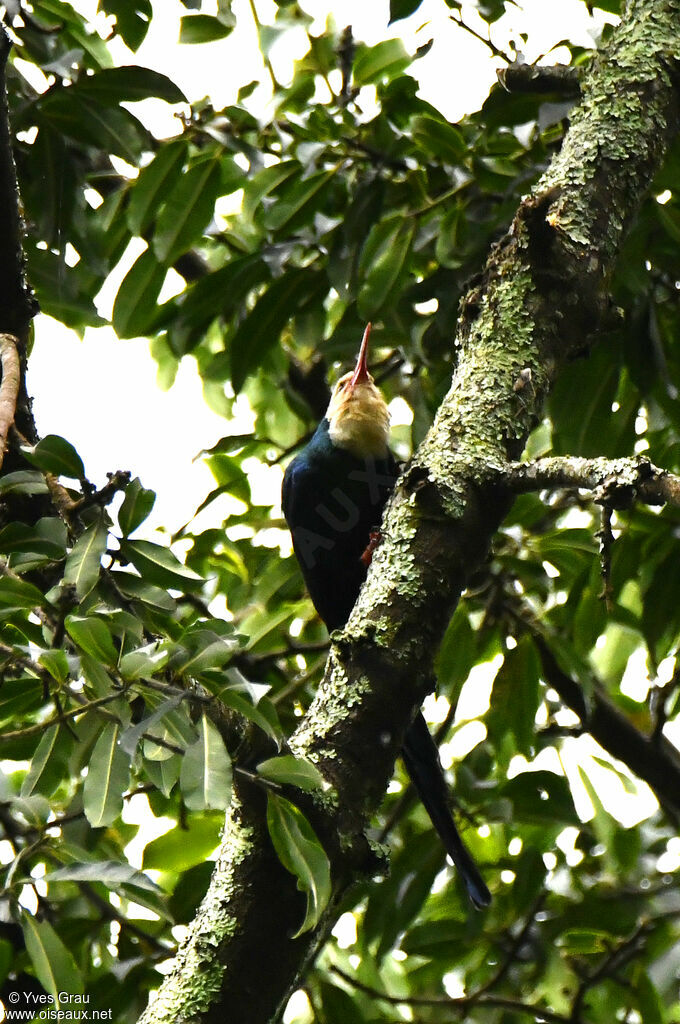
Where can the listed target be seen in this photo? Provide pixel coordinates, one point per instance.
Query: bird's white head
(357, 413)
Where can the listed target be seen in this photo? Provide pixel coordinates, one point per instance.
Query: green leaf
(134, 587)
(188, 209)
(133, 18)
(293, 771)
(385, 59)
(516, 694)
(163, 774)
(133, 734)
(87, 121)
(293, 201)
(259, 331)
(143, 663)
(439, 138)
(49, 764)
(84, 562)
(111, 873)
(584, 941)
(202, 28)
(15, 593)
(158, 565)
(107, 779)
(263, 713)
(137, 505)
(301, 853)
(24, 481)
(92, 635)
(403, 8)
(208, 651)
(181, 848)
(56, 663)
(52, 962)
(153, 185)
(53, 454)
(384, 260)
(112, 86)
(135, 307)
(223, 291)
(649, 999)
(265, 181)
(205, 776)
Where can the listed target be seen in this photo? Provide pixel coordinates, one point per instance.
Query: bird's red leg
(374, 539)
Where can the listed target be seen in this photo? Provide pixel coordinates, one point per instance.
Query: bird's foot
(374, 539)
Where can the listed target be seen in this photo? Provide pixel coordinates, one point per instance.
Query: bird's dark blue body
(333, 498)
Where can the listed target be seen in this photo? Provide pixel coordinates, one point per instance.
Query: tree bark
(536, 305)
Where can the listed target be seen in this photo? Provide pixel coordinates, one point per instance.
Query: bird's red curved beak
(361, 369)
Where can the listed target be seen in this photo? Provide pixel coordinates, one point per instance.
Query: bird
(333, 495)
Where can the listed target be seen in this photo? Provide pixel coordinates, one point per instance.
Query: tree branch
(615, 482)
(536, 304)
(535, 79)
(462, 1003)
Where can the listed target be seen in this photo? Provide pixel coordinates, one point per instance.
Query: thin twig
(34, 730)
(496, 51)
(265, 58)
(462, 1002)
(606, 539)
(108, 911)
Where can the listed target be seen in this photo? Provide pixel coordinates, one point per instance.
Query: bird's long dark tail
(421, 759)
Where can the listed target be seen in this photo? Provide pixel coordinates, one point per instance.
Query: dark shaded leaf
(202, 28)
(112, 86)
(136, 507)
(52, 962)
(53, 454)
(187, 210)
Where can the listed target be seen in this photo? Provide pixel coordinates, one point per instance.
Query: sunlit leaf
(84, 562)
(158, 565)
(302, 854)
(137, 504)
(180, 848)
(49, 764)
(292, 771)
(205, 776)
(107, 779)
(92, 635)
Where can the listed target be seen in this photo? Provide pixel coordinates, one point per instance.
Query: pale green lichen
(196, 979)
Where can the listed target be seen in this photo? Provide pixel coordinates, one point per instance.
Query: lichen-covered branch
(562, 79)
(615, 482)
(536, 304)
